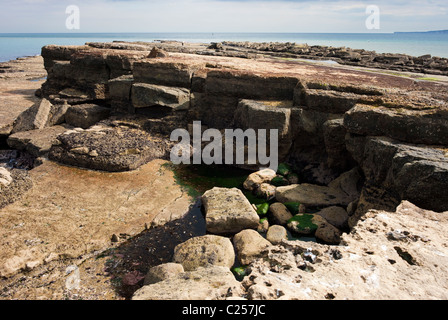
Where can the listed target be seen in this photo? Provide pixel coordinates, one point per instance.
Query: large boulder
(205, 251)
(228, 211)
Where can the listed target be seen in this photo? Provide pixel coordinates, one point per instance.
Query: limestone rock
(163, 272)
(336, 216)
(257, 178)
(412, 126)
(248, 245)
(213, 283)
(276, 234)
(416, 173)
(158, 53)
(34, 118)
(37, 142)
(208, 250)
(228, 211)
(149, 95)
(280, 213)
(165, 73)
(13, 185)
(86, 115)
(116, 149)
(312, 195)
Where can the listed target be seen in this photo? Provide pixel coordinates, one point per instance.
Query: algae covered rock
(303, 224)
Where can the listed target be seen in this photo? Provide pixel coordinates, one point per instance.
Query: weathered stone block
(413, 126)
(228, 211)
(176, 74)
(86, 115)
(148, 95)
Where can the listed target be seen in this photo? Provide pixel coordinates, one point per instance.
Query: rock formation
(360, 147)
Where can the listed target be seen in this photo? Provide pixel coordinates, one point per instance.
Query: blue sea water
(415, 44)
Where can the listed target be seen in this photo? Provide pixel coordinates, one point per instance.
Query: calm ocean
(415, 44)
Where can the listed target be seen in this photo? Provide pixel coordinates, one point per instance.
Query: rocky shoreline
(363, 170)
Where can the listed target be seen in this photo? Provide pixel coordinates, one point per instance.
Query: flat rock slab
(312, 195)
(86, 115)
(148, 95)
(71, 212)
(108, 149)
(36, 142)
(228, 211)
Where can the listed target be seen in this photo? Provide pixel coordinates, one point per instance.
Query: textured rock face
(404, 258)
(205, 251)
(214, 283)
(248, 245)
(86, 115)
(414, 172)
(228, 211)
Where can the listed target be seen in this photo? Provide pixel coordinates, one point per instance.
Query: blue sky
(222, 15)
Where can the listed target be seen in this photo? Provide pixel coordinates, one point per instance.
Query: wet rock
(228, 211)
(304, 224)
(205, 251)
(214, 283)
(249, 244)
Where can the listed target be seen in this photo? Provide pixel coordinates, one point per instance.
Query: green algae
(197, 179)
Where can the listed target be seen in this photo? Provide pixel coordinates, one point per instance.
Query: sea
(14, 45)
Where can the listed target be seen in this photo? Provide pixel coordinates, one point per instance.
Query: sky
(295, 16)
